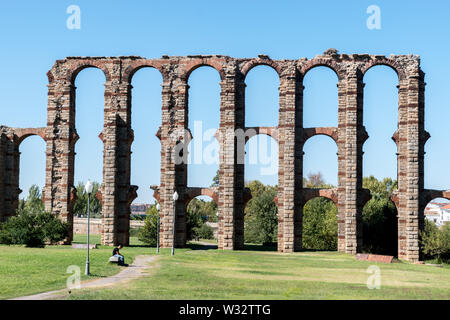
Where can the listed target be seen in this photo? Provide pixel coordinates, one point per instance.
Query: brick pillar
(15, 175)
(411, 151)
(231, 169)
(3, 213)
(350, 137)
(59, 192)
(10, 157)
(116, 191)
(290, 163)
(173, 158)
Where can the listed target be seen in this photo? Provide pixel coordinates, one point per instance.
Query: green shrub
(203, 232)
(148, 233)
(261, 222)
(193, 223)
(33, 229)
(435, 242)
(320, 224)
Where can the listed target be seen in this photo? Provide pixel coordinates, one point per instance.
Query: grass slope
(25, 271)
(212, 274)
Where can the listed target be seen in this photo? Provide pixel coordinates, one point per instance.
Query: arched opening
(261, 177)
(203, 122)
(146, 146)
(32, 170)
(261, 158)
(380, 218)
(320, 98)
(202, 220)
(433, 236)
(320, 225)
(261, 97)
(89, 114)
(320, 162)
(381, 122)
(437, 211)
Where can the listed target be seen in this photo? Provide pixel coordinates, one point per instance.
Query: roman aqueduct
(116, 192)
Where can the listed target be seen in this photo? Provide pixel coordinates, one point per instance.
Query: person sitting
(116, 253)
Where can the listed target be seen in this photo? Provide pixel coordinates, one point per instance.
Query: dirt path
(133, 271)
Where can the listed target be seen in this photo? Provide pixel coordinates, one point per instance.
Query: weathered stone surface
(116, 193)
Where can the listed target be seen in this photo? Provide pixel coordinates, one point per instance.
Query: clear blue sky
(34, 34)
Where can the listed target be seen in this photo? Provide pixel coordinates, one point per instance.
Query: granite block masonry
(116, 192)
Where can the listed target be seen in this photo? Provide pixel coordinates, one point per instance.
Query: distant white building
(438, 212)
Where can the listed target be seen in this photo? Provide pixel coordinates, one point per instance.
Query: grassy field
(25, 271)
(213, 274)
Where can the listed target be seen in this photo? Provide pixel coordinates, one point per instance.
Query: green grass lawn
(213, 274)
(217, 274)
(25, 271)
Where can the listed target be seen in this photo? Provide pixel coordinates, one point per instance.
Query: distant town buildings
(139, 208)
(438, 212)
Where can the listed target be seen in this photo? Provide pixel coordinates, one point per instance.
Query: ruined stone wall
(116, 193)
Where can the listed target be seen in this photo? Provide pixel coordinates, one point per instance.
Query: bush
(193, 223)
(203, 232)
(148, 233)
(320, 224)
(435, 242)
(261, 222)
(33, 229)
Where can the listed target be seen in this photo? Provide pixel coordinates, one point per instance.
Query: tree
(380, 217)
(315, 180)
(148, 233)
(435, 242)
(207, 210)
(80, 206)
(215, 182)
(319, 224)
(34, 203)
(261, 221)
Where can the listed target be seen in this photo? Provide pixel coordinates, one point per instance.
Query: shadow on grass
(260, 247)
(197, 246)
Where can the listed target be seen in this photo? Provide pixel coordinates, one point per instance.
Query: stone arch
(145, 81)
(22, 134)
(389, 114)
(193, 192)
(311, 193)
(252, 154)
(331, 132)
(135, 66)
(208, 62)
(318, 134)
(383, 61)
(249, 65)
(203, 107)
(389, 241)
(320, 62)
(73, 72)
(251, 132)
(330, 195)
